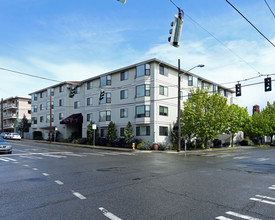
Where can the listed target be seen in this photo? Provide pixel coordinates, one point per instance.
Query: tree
(128, 133)
(111, 135)
(238, 117)
(269, 119)
(204, 115)
(24, 125)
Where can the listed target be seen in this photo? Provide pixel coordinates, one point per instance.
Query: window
(90, 117)
(41, 107)
(41, 119)
(143, 90)
(143, 131)
(48, 118)
(219, 90)
(163, 131)
(143, 111)
(48, 106)
(61, 116)
(124, 94)
(34, 97)
(163, 110)
(77, 105)
(202, 84)
(34, 108)
(163, 70)
(106, 98)
(195, 81)
(103, 132)
(122, 132)
(225, 93)
(61, 88)
(143, 70)
(105, 116)
(61, 102)
(181, 95)
(105, 80)
(42, 95)
(89, 101)
(34, 120)
(163, 90)
(123, 75)
(190, 80)
(77, 90)
(124, 113)
(189, 96)
(49, 92)
(213, 88)
(89, 85)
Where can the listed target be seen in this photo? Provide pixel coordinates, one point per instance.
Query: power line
(250, 23)
(30, 75)
(269, 8)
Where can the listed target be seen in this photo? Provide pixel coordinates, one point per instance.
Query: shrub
(119, 142)
(75, 141)
(37, 135)
(135, 140)
(143, 146)
(163, 147)
(101, 141)
(244, 142)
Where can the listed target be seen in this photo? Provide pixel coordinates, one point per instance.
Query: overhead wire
(269, 8)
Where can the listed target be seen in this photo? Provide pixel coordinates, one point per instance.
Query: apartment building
(12, 111)
(144, 94)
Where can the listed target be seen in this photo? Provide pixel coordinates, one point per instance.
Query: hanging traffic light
(176, 30)
(238, 89)
(72, 92)
(267, 84)
(101, 95)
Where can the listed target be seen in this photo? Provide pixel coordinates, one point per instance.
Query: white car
(13, 136)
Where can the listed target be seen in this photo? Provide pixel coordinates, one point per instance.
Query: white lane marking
(262, 159)
(263, 201)
(4, 159)
(223, 218)
(95, 154)
(271, 187)
(45, 174)
(54, 156)
(31, 157)
(78, 195)
(58, 182)
(108, 214)
(241, 216)
(34, 168)
(26, 165)
(74, 155)
(241, 157)
(265, 197)
(10, 159)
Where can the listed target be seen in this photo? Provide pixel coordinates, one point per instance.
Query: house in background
(144, 94)
(12, 111)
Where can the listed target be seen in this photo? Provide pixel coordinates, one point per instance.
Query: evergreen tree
(128, 133)
(24, 125)
(111, 135)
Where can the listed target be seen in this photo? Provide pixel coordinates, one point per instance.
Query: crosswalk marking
(223, 218)
(54, 156)
(263, 201)
(241, 215)
(32, 157)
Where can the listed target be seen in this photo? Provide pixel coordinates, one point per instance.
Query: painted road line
(74, 155)
(223, 218)
(54, 156)
(26, 165)
(108, 214)
(95, 154)
(263, 201)
(241, 157)
(262, 159)
(58, 182)
(34, 168)
(271, 187)
(31, 157)
(4, 159)
(78, 195)
(265, 197)
(241, 216)
(10, 159)
(45, 174)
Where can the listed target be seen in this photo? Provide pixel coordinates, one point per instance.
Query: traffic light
(72, 92)
(101, 95)
(176, 30)
(122, 1)
(267, 84)
(238, 89)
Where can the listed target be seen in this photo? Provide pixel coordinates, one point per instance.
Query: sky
(75, 40)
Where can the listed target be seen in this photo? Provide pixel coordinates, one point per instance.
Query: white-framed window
(89, 85)
(143, 70)
(42, 95)
(61, 102)
(41, 119)
(77, 90)
(143, 111)
(190, 80)
(106, 98)
(105, 80)
(163, 70)
(123, 75)
(61, 88)
(124, 94)
(34, 97)
(48, 118)
(89, 101)
(163, 110)
(34, 120)
(163, 131)
(143, 90)
(124, 113)
(143, 131)
(42, 107)
(34, 108)
(77, 105)
(48, 105)
(89, 116)
(105, 116)
(61, 116)
(163, 90)
(49, 91)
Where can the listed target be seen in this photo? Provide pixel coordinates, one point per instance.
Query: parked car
(14, 136)
(5, 147)
(272, 144)
(4, 135)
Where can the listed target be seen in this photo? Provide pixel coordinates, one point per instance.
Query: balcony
(10, 106)
(10, 116)
(8, 126)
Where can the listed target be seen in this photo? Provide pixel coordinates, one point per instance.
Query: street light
(179, 132)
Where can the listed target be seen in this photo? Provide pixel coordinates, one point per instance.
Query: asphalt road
(42, 181)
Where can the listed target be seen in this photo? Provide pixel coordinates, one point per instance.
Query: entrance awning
(73, 119)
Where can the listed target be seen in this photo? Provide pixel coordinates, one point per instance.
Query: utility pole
(51, 132)
(179, 132)
(2, 116)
